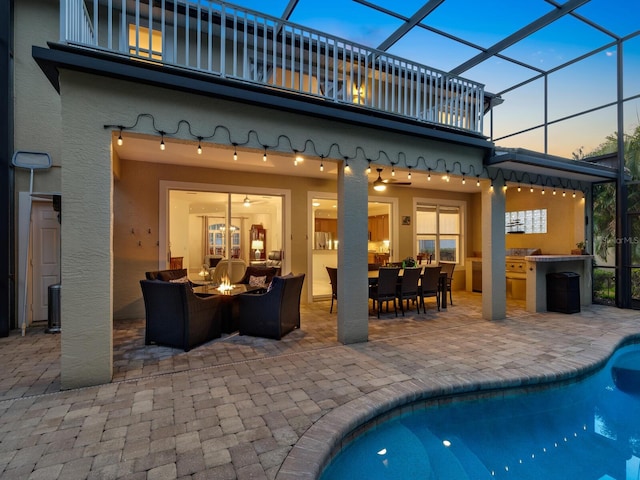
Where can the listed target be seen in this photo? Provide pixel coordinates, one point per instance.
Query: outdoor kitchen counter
(539, 265)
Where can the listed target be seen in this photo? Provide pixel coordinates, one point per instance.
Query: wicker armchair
(176, 317)
(272, 314)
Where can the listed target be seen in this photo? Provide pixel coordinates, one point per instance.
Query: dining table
(442, 287)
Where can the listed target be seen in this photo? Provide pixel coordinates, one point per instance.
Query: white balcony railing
(235, 43)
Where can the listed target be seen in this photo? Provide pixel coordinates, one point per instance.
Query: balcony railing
(244, 45)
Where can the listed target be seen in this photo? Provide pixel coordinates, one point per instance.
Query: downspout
(7, 246)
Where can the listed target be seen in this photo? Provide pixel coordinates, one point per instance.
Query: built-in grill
(516, 271)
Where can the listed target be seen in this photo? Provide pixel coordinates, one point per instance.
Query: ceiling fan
(380, 184)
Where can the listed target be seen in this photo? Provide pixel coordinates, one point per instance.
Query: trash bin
(563, 292)
(54, 325)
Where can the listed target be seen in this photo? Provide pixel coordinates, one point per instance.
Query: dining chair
(333, 278)
(430, 286)
(385, 289)
(448, 267)
(407, 288)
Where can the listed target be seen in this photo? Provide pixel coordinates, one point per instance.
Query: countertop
(556, 258)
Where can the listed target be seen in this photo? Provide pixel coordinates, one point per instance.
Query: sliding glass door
(207, 226)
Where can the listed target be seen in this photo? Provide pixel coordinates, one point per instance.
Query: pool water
(584, 430)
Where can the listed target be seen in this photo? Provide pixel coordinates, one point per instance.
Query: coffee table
(228, 306)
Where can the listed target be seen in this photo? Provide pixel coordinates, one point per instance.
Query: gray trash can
(54, 325)
(563, 292)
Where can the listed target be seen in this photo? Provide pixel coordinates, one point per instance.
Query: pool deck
(243, 407)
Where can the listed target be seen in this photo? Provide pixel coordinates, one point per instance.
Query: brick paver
(243, 407)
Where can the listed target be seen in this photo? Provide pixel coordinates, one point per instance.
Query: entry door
(45, 257)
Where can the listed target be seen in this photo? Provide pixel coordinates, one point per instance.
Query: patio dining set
(404, 286)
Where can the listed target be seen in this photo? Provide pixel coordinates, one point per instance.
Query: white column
(494, 283)
(353, 289)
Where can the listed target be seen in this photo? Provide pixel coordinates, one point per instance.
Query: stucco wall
(36, 103)
(565, 220)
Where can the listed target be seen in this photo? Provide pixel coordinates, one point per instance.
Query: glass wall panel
(631, 70)
(523, 108)
(532, 140)
(582, 134)
(583, 85)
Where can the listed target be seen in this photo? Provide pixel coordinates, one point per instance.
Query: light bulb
(463, 180)
(199, 149)
(235, 155)
(120, 141)
(321, 167)
(393, 172)
(264, 157)
(162, 144)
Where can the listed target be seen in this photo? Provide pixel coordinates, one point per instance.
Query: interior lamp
(257, 245)
(378, 184)
(204, 271)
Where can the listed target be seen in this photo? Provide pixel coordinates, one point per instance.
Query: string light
(346, 163)
(491, 186)
(182, 123)
(519, 189)
(564, 194)
(531, 188)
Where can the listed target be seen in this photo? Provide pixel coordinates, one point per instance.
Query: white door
(45, 257)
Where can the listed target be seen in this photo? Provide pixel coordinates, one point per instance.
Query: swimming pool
(588, 429)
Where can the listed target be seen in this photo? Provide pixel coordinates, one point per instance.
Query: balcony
(241, 45)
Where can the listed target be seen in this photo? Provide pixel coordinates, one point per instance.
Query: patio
(235, 407)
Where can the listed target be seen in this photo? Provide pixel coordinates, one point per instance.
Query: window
(526, 221)
(139, 43)
(438, 231)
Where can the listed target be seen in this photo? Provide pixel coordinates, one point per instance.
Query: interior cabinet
(378, 228)
(329, 225)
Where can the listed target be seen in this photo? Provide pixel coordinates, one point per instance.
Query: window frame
(439, 203)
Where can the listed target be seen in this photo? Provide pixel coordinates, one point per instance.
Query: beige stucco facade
(112, 217)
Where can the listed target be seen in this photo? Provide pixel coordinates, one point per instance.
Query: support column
(86, 241)
(494, 283)
(353, 288)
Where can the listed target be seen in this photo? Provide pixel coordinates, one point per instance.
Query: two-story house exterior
(112, 91)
